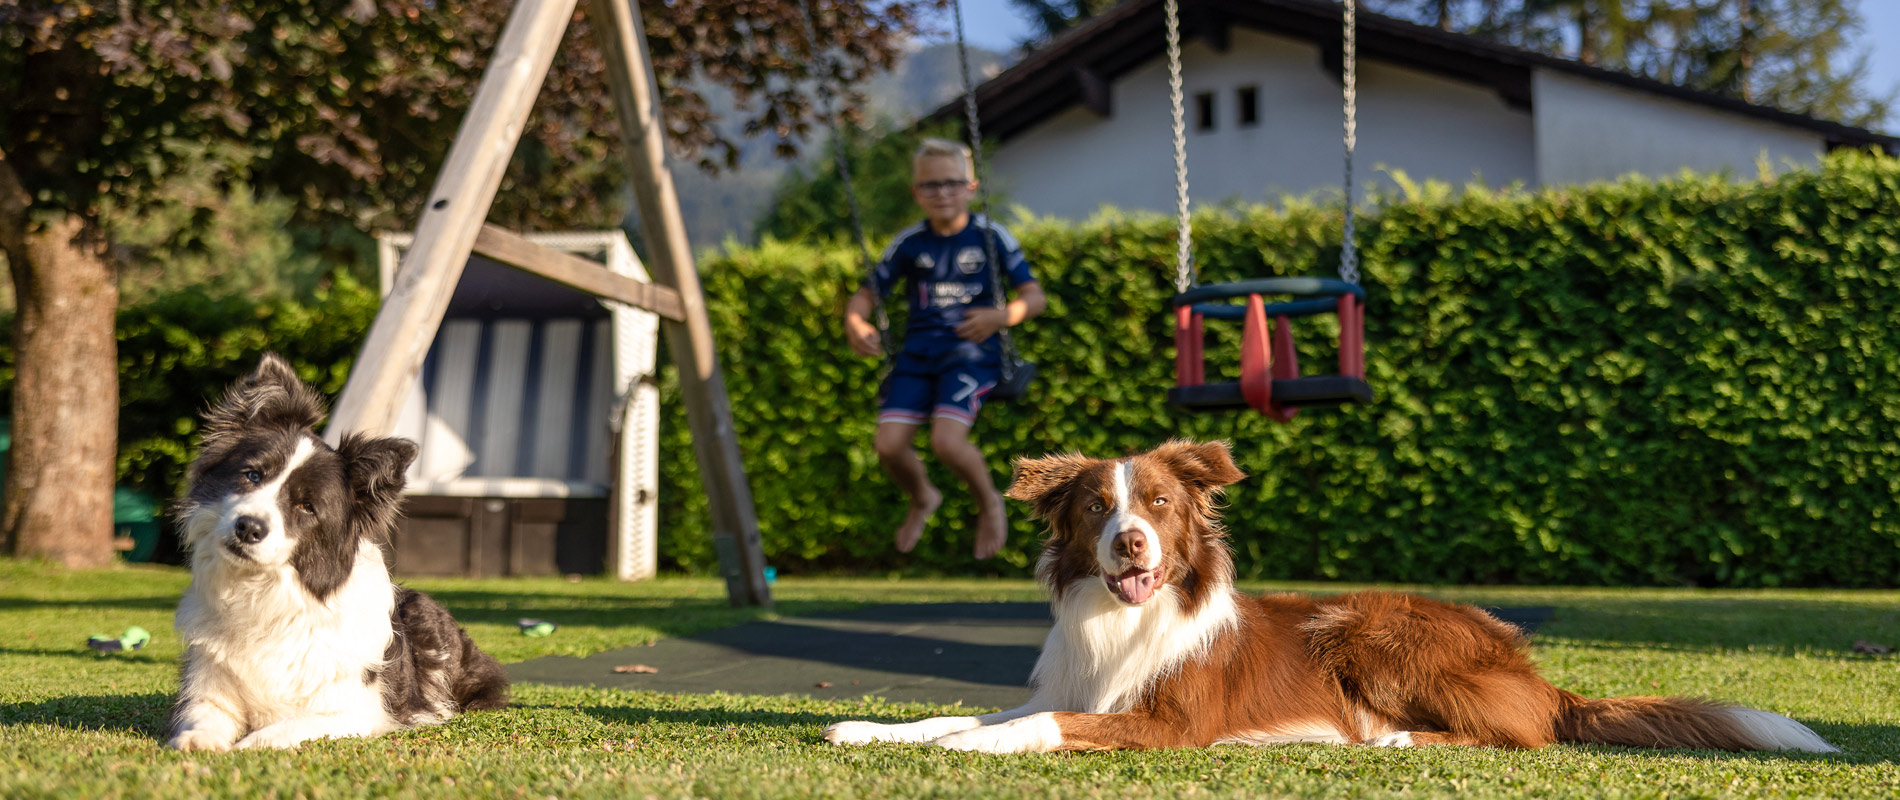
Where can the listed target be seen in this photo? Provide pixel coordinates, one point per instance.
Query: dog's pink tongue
(1136, 585)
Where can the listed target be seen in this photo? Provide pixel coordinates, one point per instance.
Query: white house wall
(1076, 162)
(1589, 131)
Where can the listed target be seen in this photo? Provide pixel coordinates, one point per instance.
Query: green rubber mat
(977, 654)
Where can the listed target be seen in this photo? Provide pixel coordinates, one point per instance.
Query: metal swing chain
(982, 196)
(1183, 277)
(828, 66)
(1349, 249)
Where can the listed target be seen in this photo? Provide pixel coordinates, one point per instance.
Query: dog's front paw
(199, 741)
(1033, 734)
(1393, 739)
(279, 737)
(923, 730)
(854, 732)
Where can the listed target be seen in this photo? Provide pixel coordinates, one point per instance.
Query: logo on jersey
(970, 259)
(945, 294)
(924, 261)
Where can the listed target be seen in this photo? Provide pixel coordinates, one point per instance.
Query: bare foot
(992, 530)
(921, 507)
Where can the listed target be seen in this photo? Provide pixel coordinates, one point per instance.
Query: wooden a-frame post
(452, 227)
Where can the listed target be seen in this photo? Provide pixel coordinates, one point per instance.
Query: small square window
(1249, 106)
(1204, 111)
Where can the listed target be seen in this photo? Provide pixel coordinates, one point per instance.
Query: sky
(997, 25)
(1880, 34)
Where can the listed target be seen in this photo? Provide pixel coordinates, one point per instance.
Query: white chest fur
(1103, 654)
(274, 652)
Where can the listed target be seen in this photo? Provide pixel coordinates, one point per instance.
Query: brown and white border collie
(1152, 647)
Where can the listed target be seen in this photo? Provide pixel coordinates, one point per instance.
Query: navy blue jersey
(945, 275)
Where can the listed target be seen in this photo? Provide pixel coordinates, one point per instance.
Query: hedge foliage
(1691, 382)
(1688, 382)
(178, 352)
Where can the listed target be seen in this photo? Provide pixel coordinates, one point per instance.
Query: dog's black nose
(250, 530)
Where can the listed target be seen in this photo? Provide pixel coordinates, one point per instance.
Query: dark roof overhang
(1077, 67)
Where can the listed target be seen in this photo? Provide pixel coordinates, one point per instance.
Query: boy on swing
(951, 356)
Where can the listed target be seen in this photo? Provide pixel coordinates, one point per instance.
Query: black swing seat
(1313, 390)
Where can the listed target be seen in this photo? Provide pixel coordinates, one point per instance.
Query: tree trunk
(1586, 36)
(1745, 47)
(58, 500)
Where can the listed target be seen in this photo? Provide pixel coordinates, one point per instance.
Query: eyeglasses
(941, 187)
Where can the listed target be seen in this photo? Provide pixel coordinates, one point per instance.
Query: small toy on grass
(535, 627)
(134, 638)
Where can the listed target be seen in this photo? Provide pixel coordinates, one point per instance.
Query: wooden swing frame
(452, 226)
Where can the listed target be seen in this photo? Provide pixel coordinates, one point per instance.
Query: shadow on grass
(145, 715)
(707, 717)
(1695, 624)
(156, 603)
(669, 616)
(89, 656)
(142, 714)
(1854, 740)
(1859, 744)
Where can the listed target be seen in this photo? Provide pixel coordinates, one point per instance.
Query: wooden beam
(398, 341)
(1332, 61)
(1010, 110)
(1096, 93)
(1209, 24)
(617, 28)
(592, 277)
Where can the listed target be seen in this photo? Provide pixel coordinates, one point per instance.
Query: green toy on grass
(534, 627)
(134, 638)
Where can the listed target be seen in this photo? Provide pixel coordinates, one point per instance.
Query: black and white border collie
(292, 628)
(1152, 647)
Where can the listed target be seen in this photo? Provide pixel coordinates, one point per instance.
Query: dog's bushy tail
(1668, 722)
(482, 684)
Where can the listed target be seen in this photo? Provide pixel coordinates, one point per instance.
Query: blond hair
(945, 148)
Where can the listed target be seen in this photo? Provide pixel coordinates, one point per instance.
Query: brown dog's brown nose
(1131, 544)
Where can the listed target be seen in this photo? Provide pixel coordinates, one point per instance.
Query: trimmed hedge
(1693, 382)
(178, 352)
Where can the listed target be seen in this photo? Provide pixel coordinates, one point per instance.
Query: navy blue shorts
(949, 383)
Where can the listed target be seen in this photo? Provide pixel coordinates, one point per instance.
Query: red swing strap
(1189, 365)
(1266, 357)
(1352, 337)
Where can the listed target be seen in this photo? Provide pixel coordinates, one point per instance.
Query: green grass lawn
(76, 724)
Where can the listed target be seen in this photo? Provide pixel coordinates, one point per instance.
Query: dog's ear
(1041, 480)
(272, 396)
(375, 467)
(1207, 466)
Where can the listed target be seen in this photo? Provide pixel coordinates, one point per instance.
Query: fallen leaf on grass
(823, 684)
(637, 668)
(1864, 646)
